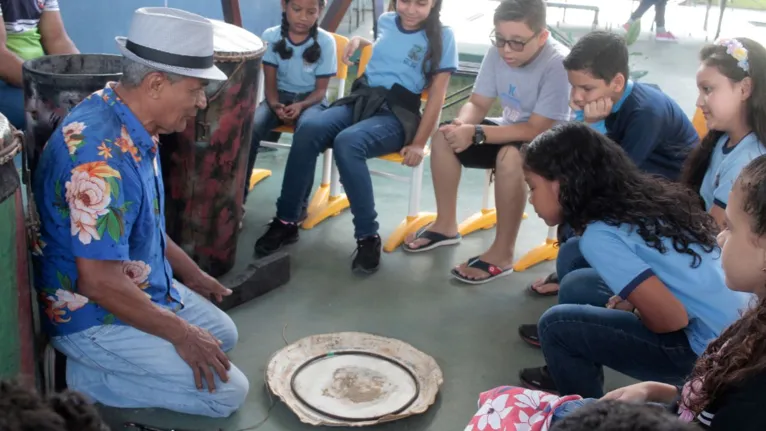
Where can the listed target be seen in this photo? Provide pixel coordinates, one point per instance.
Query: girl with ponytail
(732, 96)
(297, 68)
(382, 115)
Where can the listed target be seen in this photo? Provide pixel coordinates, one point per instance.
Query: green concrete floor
(471, 331)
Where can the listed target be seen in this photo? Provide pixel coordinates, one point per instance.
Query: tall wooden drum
(16, 329)
(204, 167)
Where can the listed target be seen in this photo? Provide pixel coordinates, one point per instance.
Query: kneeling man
(133, 335)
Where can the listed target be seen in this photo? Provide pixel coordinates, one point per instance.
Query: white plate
(355, 386)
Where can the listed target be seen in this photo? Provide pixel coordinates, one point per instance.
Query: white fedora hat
(172, 40)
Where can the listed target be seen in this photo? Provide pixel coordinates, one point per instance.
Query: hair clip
(735, 49)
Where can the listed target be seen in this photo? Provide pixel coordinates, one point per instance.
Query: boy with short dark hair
(646, 122)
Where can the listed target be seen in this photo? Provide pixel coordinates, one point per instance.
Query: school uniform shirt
(653, 130)
(540, 87)
(624, 261)
(725, 165)
(21, 19)
(398, 55)
(295, 75)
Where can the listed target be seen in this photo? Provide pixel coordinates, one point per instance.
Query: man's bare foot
(503, 262)
(416, 241)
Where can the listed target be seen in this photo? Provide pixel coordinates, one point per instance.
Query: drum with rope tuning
(204, 167)
(54, 85)
(16, 328)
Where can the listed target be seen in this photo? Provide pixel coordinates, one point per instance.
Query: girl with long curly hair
(726, 387)
(732, 96)
(649, 293)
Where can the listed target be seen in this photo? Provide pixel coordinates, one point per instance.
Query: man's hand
(203, 353)
(597, 110)
(208, 287)
(460, 137)
(617, 303)
(293, 111)
(413, 155)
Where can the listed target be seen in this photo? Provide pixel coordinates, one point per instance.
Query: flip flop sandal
(494, 271)
(436, 240)
(552, 278)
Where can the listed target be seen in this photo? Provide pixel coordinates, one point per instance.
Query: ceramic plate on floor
(355, 386)
(353, 379)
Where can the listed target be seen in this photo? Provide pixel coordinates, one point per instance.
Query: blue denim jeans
(12, 105)
(266, 120)
(580, 336)
(352, 145)
(120, 366)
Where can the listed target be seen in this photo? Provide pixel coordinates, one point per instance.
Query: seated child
(646, 122)
(734, 103)
(523, 70)
(413, 52)
(621, 416)
(654, 294)
(297, 69)
(726, 387)
(511, 408)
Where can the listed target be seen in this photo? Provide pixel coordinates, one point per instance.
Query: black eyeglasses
(515, 45)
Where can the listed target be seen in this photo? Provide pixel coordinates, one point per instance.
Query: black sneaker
(529, 334)
(538, 379)
(279, 235)
(367, 255)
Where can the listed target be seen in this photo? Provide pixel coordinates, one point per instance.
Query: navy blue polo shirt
(653, 129)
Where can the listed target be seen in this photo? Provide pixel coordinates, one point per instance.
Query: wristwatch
(478, 135)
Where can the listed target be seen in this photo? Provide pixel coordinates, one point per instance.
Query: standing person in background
(662, 34)
(33, 28)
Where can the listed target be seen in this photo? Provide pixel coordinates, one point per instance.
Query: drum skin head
(353, 379)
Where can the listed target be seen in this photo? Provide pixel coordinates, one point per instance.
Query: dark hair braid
(314, 52)
(281, 48)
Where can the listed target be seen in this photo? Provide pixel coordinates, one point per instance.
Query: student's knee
(439, 143)
(347, 146)
(306, 132)
(508, 165)
(554, 323)
(581, 287)
(228, 398)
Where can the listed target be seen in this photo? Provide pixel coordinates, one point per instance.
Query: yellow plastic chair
(324, 200)
(699, 123)
(414, 219)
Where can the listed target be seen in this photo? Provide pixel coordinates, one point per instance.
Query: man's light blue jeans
(120, 366)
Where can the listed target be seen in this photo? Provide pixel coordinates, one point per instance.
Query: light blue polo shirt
(295, 75)
(600, 125)
(624, 261)
(397, 57)
(725, 166)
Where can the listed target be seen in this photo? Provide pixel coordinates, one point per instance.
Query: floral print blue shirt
(99, 193)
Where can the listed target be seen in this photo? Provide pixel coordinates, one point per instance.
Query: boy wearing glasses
(524, 69)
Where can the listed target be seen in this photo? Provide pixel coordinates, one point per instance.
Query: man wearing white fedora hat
(133, 335)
